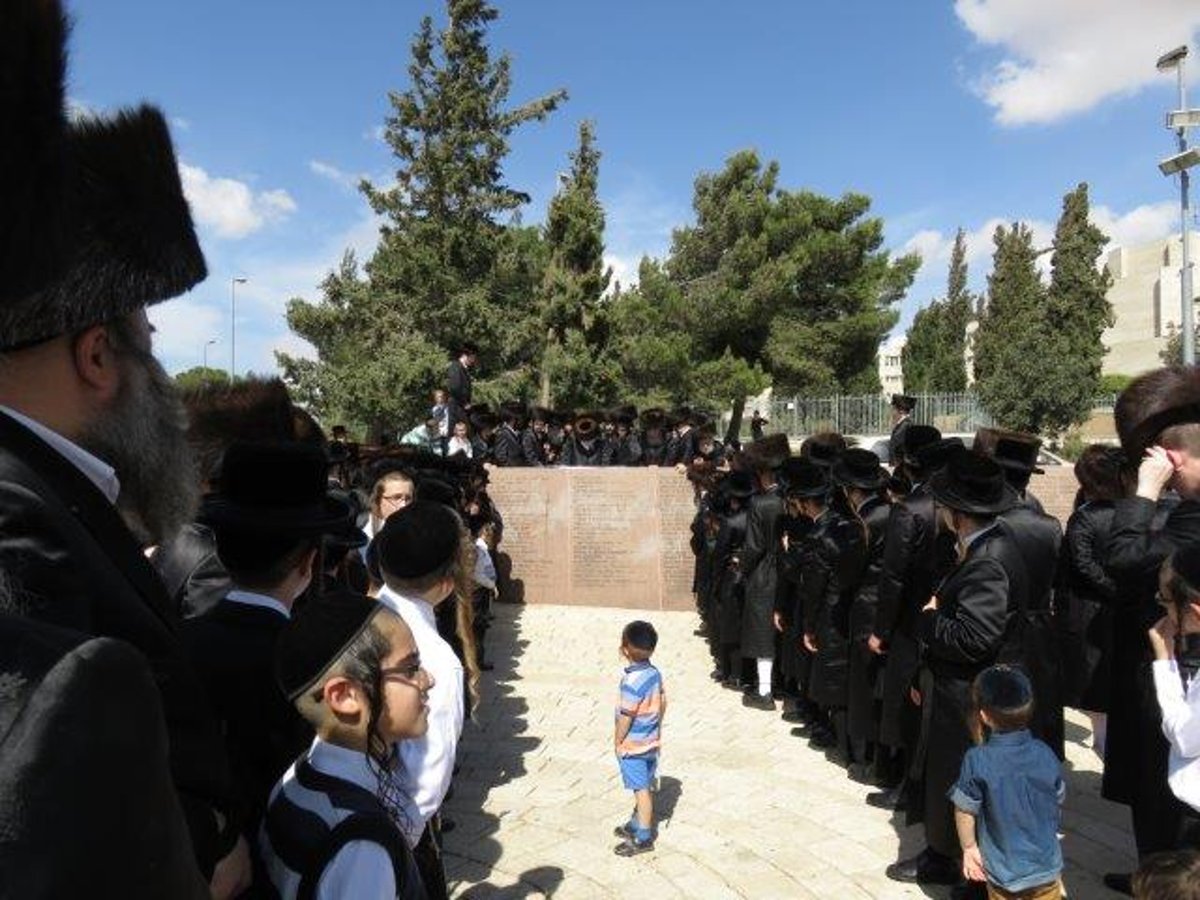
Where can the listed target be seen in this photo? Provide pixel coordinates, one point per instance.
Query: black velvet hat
(768, 452)
(279, 488)
(973, 484)
(1153, 403)
(482, 420)
(132, 242)
(824, 449)
(860, 468)
(916, 437)
(541, 414)
(513, 412)
(316, 637)
(653, 418)
(904, 402)
(1185, 562)
(807, 479)
(418, 539)
(738, 484)
(1011, 449)
(932, 457)
(586, 424)
(347, 536)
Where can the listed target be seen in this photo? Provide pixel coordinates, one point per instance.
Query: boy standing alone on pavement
(637, 738)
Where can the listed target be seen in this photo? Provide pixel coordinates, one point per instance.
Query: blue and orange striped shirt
(641, 700)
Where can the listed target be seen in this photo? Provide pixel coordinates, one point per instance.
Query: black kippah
(418, 539)
(1186, 564)
(1004, 689)
(317, 637)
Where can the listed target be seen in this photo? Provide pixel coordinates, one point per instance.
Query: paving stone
(745, 809)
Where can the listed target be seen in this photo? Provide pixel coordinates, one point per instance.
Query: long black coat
(653, 454)
(1135, 757)
(626, 451)
(795, 565)
(760, 568)
(458, 386)
(896, 441)
(862, 721)
(728, 591)
(1033, 642)
(827, 591)
(87, 806)
(506, 447)
(233, 648)
(962, 637)
(194, 575)
(74, 563)
(1085, 603)
(574, 453)
(915, 558)
(682, 448)
(533, 447)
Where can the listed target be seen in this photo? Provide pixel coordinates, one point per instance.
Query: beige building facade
(891, 370)
(1145, 302)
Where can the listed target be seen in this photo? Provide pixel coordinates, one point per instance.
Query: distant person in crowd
(757, 424)
(654, 437)
(460, 441)
(1158, 423)
(458, 383)
(624, 448)
(637, 737)
(418, 550)
(269, 514)
(760, 565)
(1086, 595)
(1173, 875)
(92, 434)
(483, 431)
(535, 439)
(728, 589)
(708, 448)
(963, 629)
(1017, 454)
(440, 410)
(391, 492)
(425, 436)
(1008, 794)
(681, 444)
(1175, 642)
(334, 825)
(506, 445)
(586, 446)
(902, 409)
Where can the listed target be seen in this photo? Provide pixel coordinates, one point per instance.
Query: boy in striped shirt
(638, 734)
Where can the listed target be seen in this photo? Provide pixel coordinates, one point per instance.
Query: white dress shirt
(97, 471)
(485, 570)
(1181, 725)
(249, 598)
(428, 762)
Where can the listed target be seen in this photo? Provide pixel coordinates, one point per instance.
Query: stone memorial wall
(596, 537)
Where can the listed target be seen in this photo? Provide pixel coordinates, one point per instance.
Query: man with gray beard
(94, 465)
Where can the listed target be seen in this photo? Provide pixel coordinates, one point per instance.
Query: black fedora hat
(276, 488)
(916, 437)
(824, 449)
(481, 420)
(655, 417)
(1018, 455)
(769, 452)
(932, 457)
(807, 479)
(904, 402)
(973, 484)
(860, 468)
(541, 414)
(738, 484)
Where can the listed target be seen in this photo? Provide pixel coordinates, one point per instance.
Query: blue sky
(945, 114)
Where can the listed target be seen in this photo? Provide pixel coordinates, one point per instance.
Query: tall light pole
(207, 344)
(1180, 121)
(233, 283)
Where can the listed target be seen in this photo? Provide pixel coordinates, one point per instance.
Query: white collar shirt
(96, 470)
(428, 762)
(249, 598)
(1181, 725)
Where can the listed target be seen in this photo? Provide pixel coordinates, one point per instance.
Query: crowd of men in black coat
(869, 600)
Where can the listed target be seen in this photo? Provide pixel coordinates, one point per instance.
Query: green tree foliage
(1172, 353)
(200, 376)
(575, 366)
(451, 264)
(933, 356)
(1038, 350)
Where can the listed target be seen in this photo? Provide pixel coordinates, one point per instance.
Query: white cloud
(230, 208)
(1138, 226)
(182, 329)
(181, 123)
(330, 172)
(1065, 56)
(624, 271)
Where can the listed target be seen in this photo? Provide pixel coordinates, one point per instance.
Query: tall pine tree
(933, 355)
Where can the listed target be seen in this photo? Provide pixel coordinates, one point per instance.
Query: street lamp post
(1180, 121)
(207, 344)
(233, 283)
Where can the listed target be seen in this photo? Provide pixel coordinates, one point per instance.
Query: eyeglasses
(409, 673)
(396, 498)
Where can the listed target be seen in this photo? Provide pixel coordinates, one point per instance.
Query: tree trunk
(544, 392)
(735, 421)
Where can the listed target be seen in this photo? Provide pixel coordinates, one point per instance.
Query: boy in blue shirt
(638, 734)
(1008, 795)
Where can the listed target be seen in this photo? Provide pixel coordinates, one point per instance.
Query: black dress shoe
(863, 773)
(969, 890)
(892, 798)
(822, 738)
(926, 867)
(733, 683)
(796, 717)
(716, 675)
(1121, 882)
(754, 701)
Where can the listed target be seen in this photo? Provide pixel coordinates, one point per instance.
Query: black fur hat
(768, 452)
(33, 153)
(132, 241)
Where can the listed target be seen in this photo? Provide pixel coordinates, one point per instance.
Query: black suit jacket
(458, 386)
(915, 557)
(506, 448)
(194, 575)
(74, 563)
(533, 448)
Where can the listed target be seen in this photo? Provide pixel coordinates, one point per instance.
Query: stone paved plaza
(746, 809)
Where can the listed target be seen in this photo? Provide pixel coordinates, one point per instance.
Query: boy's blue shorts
(637, 772)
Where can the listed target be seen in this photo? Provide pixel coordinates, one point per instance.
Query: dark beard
(143, 436)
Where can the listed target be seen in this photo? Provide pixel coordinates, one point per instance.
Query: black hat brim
(329, 516)
(946, 492)
(843, 476)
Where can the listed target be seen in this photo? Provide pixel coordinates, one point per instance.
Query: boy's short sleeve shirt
(641, 699)
(1013, 785)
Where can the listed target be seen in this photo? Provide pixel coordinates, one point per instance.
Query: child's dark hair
(1174, 875)
(640, 639)
(1006, 695)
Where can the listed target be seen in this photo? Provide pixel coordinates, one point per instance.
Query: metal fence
(872, 414)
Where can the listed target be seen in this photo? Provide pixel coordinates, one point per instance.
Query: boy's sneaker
(631, 846)
(623, 831)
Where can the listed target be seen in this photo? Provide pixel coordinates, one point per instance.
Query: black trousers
(428, 856)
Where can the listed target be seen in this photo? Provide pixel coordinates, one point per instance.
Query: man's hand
(810, 642)
(1162, 638)
(233, 873)
(915, 696)
(875, 645)
(972, 868)
(777, 620)
(1154, 472)
(931, 605)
